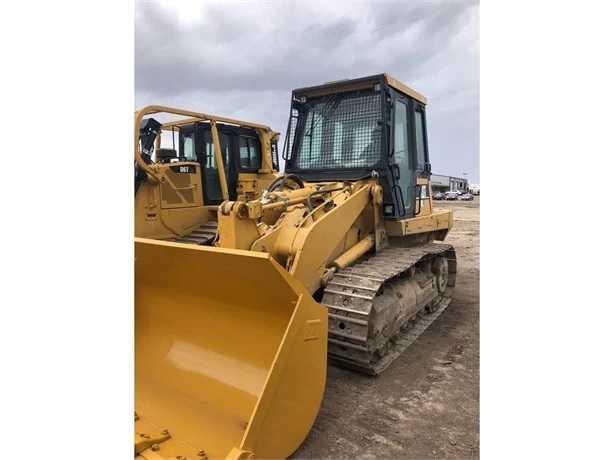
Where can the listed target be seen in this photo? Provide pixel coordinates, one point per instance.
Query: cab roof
(358, 84)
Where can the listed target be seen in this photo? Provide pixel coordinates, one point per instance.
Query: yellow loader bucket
(230, 354)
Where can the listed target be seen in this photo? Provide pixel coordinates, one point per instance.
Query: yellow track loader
(340, 259)
(178, 191)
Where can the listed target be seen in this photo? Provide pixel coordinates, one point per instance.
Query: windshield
(341, 131)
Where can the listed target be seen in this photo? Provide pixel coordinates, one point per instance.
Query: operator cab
(346, 130)
(241, 153)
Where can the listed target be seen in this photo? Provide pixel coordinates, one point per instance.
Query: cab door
(422, 169)
(401, 161)
(209, 167)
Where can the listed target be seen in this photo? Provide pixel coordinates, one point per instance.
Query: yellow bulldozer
(339, 259)
(178, 188)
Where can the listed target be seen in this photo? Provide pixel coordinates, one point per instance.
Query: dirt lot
(425, 405)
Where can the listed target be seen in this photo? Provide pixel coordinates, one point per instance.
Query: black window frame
(338, 174)
(232, 168)
(258, 147)
(419, 107)
(385, 167)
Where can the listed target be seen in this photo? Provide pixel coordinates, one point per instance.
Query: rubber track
(349, 297)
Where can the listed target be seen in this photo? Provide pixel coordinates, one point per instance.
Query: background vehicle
(177, 193)
(452, 195)
(466, 197)
(439, 196)
(340, 257)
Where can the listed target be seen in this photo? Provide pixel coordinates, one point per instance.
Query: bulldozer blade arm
(230, 354)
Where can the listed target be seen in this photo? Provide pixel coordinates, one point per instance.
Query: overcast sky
(242, 60)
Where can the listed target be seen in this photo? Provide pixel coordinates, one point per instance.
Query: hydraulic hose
(321, 192)
(281, 181)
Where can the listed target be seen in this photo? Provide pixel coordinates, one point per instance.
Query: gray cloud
(243, 59)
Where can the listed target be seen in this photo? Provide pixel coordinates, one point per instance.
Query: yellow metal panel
(314, 244)
(425, 205)
(230, 351)
(180, 190)
(438, 220)
(405, 89)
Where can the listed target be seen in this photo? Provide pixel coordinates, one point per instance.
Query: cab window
(420, 141)
(249, 153)
(211, 174)
(188, 148)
